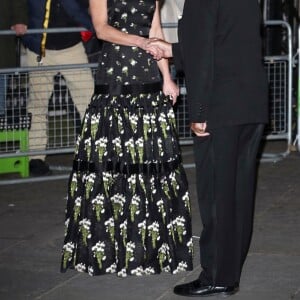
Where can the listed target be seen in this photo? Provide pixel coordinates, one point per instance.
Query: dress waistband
(128, 88)
(129, 169)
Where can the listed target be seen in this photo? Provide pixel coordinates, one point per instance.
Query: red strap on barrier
(86, 35)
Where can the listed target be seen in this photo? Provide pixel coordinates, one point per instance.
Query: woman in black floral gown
(128, 207)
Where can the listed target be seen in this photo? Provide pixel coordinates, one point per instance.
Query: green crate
(18, 164)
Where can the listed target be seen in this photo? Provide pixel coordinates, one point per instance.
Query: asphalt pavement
(32, 229)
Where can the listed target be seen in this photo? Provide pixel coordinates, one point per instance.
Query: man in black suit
(219, 50)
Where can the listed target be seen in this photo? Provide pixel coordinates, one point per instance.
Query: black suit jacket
(219, 50)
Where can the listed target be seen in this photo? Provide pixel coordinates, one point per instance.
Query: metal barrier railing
(279, 70)
(61, 109)
(297, 138)
(63, 115)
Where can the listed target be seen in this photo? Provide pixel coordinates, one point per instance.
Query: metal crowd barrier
(63, 119)
(297, 139)
(279, 70)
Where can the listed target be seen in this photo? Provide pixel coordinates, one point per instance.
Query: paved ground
(31, 234)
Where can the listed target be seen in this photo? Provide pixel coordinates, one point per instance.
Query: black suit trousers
(226, 178)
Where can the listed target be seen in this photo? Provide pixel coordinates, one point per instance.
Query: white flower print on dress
(146, 126)
(132, 183)
(171, 116)
(142, 231)
(101, 146)
(154, 233)
(130, 148)
(67, 222)
(117, 146)
(110, 228)
(99, 253)
(161, 209)
(190, 245)
(77, 207)
(89, 183)
(73, 185)
(164, 254)
(149, 271)
(110, 71)
(107, 181)
(122, 273)
(68, 249)
(98, 206)
(91, 271)
(130, 246)
(112, 268)
(118, 202)
(134, 206)
(140, 147)
(179, 226)
(133, 121)
(94, 124)
(182, 266)
(139, 271)
(123, 228)
(87, 147)
(186, 200)
(160, 147)
(85, 226)
(80, 267)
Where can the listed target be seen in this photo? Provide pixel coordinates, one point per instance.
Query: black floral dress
(128, 207)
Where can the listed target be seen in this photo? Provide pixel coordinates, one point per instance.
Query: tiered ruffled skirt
(128, 207)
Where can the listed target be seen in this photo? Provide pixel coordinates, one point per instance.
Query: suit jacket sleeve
(177, 57)
(78, 13)
(19, 12)
(196, 34)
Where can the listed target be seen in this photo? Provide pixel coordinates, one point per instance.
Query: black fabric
(152, 168)
(59, 18)
(93, 49)
(220, 46)
(128, 209)
(128, 89)
(226, 199)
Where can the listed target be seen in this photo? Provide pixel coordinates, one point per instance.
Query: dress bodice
(131, 16)
(126, 64)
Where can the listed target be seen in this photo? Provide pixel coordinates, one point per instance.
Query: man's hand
(199, 129)
(20, 29)
(159, 48)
